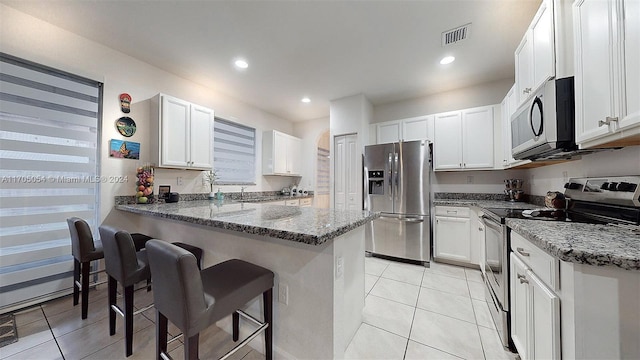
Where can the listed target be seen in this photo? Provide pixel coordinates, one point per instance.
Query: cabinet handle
(608, 120)
(523, 279)
(480, 229)
(526, 90)
(452, 212)
(522, 252)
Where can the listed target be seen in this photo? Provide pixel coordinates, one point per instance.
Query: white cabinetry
(508, 106)
(464, 139)
(607, 75)
(535, 56)
(452, 234)
(280, 154)
(535, 307)
(416, 128)
(184, 134)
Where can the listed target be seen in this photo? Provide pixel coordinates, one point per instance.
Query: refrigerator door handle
(390, 164)
(395, 168)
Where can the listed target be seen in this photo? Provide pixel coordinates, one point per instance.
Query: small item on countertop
(219, 195)
(544, 214)
(555, 200)
(172, 197)
(294, 190)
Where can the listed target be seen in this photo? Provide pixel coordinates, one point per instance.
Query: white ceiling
(387, 50)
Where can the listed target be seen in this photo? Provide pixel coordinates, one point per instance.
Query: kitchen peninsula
(316, 254)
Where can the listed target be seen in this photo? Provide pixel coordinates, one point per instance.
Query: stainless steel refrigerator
(396, 184)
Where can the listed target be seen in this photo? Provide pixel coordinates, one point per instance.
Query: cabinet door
(594, 60)
(416, 129)
(294, 156)
(280, 148)
(477, 146)
(448, 141)
(175, 135)
(524, 73)
(630, 114)
(545, 324)
(201, 138)
(453, 239)
(543, 45)
(389, 132)
(340, 173)
(519, 292)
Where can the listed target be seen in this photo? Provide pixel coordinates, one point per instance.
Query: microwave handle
(537, 102)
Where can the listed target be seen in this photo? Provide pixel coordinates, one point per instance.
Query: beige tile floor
(410, 313)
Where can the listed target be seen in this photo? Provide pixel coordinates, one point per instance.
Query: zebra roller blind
(234, 152)
(49, 141)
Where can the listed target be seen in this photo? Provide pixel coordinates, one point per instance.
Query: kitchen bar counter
(300, 224)
(599, 245)
(316, 254)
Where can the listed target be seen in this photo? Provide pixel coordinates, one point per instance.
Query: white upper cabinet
(535, 56)
(281, 154)
(607, 75)
(389, 132)
(416, 128)
(184, 134)
(463, 140)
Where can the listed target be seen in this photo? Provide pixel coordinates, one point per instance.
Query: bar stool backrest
(120, 257)
(81, 238)
(178, 293)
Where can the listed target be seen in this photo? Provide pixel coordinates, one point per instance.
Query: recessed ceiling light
(241, 64)
(306, 100)
(447, 60)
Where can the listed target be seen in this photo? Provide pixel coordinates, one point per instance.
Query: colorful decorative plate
(126, 126)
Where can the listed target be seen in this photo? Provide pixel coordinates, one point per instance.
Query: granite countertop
(485, 204)
(263, 199)
(600, 245)
(299, 224)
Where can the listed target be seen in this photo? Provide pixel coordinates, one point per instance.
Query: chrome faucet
(242, 192)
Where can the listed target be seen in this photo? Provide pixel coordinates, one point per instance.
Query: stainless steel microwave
(543, 128)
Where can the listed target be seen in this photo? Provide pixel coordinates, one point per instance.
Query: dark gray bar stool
(84, 250)
(193, 299)
(125, 266)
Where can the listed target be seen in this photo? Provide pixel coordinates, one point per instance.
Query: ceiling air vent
(456, 35)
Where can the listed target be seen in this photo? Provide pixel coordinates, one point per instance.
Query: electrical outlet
(180, 181)
(283, 294)
(469, 179)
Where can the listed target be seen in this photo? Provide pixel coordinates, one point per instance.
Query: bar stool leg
(86, 268)
(162, 324)
(76, 277)
(267, 298)
(112, 301)
(236, 325)
(191, 347)
(128, 319)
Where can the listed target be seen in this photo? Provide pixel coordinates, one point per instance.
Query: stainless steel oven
(496, 274)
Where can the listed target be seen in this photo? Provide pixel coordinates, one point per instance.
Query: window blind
(49, 141)
(322, 177)
(234, 153)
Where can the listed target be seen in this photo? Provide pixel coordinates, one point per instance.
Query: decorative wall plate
(126, 126)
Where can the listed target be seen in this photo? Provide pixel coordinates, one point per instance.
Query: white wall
(32, 39)
(490, 181)
(621, 162)
(480, 95)
(310, 132)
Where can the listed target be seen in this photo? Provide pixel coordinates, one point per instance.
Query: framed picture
(124, 149)
(163, 191)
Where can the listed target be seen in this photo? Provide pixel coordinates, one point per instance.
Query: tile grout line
(484, 352)
(52, 334)
(413, 318)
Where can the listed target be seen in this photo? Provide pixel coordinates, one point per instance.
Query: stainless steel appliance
(604, 200)
(396, 184)
(543, 128)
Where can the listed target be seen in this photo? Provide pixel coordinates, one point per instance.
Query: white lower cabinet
(535, 308)
(452, 234)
